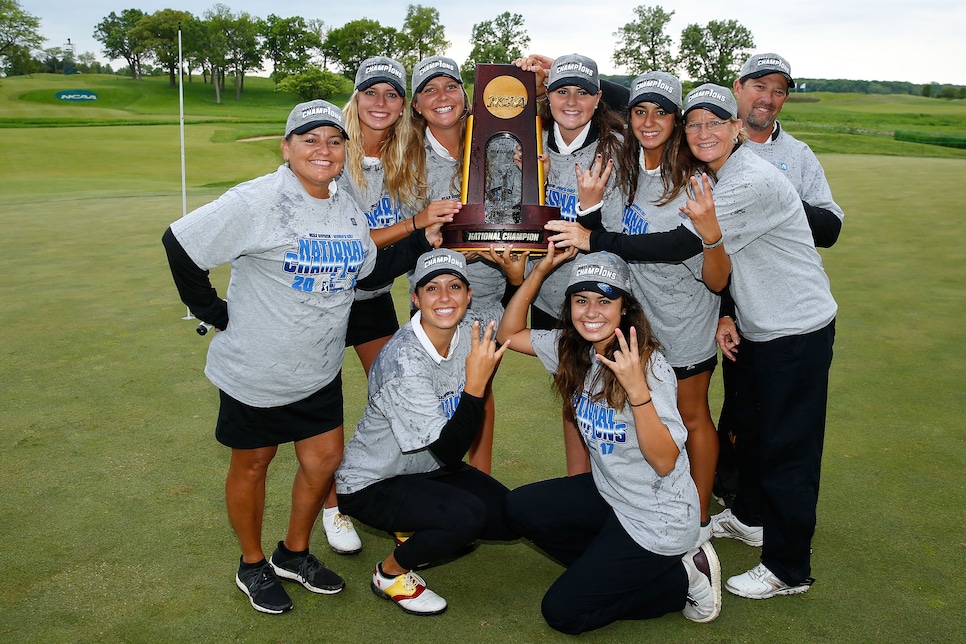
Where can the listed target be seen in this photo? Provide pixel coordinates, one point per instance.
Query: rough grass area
(111, 483)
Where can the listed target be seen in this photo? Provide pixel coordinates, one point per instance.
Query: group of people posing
(687, 222)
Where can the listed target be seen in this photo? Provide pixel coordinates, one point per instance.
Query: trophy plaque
(503, 203)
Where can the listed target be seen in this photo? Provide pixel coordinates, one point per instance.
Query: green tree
(642, 44)
(20, 61)
(52, 60)
(947, 91)
(87, 63)
(18, 32)
(213, 50)
(357, 40)
(715, 53)
(235, 45)
(288, 43)
(243, 54)
(313, 83)
(422, 35)
(321, 31)
(157, 35)
(116, 33)
(501, 40)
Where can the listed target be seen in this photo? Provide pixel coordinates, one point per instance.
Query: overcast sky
(919, 42)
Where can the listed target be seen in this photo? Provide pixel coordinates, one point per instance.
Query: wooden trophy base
(529, 236)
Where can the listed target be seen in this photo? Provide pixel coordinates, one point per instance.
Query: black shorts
(242, 426)
(683, 373)
(371, 319)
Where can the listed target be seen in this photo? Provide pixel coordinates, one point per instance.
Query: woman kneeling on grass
(626, 530)
(403, 470)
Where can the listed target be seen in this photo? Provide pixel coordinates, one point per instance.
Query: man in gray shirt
(761, 90)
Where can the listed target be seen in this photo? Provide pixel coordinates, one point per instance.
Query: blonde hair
(394, 150)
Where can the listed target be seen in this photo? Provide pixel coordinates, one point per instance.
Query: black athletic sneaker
(308, 571)
(263, 588)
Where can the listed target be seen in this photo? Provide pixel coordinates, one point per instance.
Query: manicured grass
(112, 484)
(32, 100)
(839, 123)
(866, 123)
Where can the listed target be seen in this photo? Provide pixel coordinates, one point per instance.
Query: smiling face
(596, 317)
(380, 106)
(441, 102)
(442, 302)
(652, 126)
(710, 137)
(760, 101)
(316, 158)
(572, 108)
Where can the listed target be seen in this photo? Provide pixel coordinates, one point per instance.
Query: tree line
(222, 44)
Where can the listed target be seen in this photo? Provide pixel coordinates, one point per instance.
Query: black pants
(780, 455)
(446, 510)
(609, 576)
(738, 409)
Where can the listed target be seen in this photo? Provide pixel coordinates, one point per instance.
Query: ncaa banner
(81, 95)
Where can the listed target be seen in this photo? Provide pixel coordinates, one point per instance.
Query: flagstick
(184, 188)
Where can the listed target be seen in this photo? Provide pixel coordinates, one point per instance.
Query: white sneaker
(725, 525)
(761, 583)
(704, 584)
(409, 591)
(341, 534)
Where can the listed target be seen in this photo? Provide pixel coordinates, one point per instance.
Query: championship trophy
(503, 203)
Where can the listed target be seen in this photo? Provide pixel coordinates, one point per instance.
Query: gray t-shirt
(777, 279)
(800, 166)
(682, 311)
(380, 209)
(561, 193)
(661, 513)
(442, 177)
(412, 395)
(294, 261)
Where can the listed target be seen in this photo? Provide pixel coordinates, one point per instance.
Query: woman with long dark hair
(677, 264)
(626, 530)
(582, 138)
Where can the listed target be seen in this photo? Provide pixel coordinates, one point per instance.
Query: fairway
(112, 484)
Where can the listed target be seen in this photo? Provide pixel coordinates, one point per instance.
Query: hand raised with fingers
(700, 210)
(626, 365)
(483, 359)
(592, 182)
